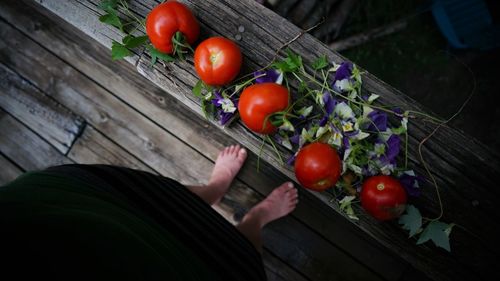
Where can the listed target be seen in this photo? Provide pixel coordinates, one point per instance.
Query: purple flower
(329, 102)
(398, 112)
(225, 117)
(270, 75)
(391, 150)
(291, 160)
(344, 71)
(410, 183)
(217, 98)
(378, 121)
(323, 120)
(346, 144)
(295, 139)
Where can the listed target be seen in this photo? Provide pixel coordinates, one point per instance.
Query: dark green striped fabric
(88, 222)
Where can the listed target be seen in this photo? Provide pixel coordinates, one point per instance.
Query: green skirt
(88, 222)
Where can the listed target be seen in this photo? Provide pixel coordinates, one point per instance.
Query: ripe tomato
(165, 20)
(383, 197)
(317, 166)
(260, 101)
(217, 61)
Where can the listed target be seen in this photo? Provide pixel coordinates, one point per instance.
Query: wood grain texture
(466, 169)
(29, 150)
(8, 171)
(98, 106)
(164, 110)
(56, 124)
(92, 147)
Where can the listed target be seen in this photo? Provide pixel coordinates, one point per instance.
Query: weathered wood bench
(465, 169)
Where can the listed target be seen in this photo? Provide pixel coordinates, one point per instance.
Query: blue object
(466, 24)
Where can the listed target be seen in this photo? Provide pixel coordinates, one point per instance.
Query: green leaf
(320, 63)
(131, 41)
(293, 60)
(438, 232)
(346, 207)
(108, 5)
(412, 220)
(112, 19)
(155, 54)
(118, 51)
(197, 89)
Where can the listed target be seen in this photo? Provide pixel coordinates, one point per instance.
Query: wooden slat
(124, 125)
(8, 170)
(130, 86)
(92, 147)
(264, 33)
(29, 150)
(53, 122)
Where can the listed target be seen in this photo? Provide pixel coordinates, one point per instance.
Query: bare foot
(226, 167)
(279, 203)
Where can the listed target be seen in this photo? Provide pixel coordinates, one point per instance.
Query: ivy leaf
(131, 41)
(155, 54)
(108, 5)
(320, 63)
(112, 18)
(119, 51)
(412, 220)
(197, 89)
(345, 206)
(439, 233)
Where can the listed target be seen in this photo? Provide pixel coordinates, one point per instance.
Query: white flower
(344, 111)
(227, 105)
(343, 85)
(305, 111)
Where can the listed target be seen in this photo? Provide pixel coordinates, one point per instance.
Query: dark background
(419, 62)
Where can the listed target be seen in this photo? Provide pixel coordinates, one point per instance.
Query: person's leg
(279, 203)
(226, 167)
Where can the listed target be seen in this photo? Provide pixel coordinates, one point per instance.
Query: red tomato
(217, 61)
(165, 20)
(383, 197)
(260, 101)
(317, 166)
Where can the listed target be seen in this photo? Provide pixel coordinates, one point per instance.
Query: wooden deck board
(465, 169)
(54, 123)
(338, 258)
(92, 147)
(130, 86)
(8, 171)
(29, 150)
(448, 149)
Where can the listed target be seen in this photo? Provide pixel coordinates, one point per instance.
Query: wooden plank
(8, 170)
(130, 86)
(124, 125)
(56, 124)
(29, 150)
(261, 23)
(92, 147)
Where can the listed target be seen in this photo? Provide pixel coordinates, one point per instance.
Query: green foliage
(197, 89)
(119, 51)
(156, 54)
(112, 18)
(108, 5)
(439, 233)
(412, 220)
(320, 63)
(291, 63)
(132, 42)
(129, 41)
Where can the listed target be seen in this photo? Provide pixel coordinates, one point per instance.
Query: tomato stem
(180, 45)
